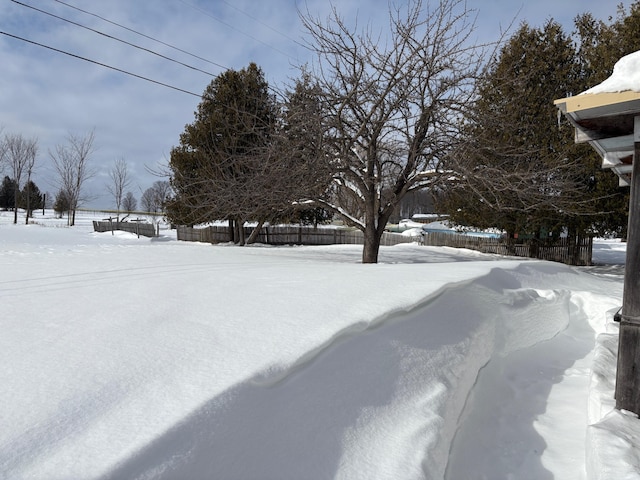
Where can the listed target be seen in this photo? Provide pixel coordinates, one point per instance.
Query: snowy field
(127, 358)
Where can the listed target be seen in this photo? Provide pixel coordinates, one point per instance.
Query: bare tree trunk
(26, 221)
(255, 232)
(371, 246)
(242, 239)
(238, 232)
(231, 230)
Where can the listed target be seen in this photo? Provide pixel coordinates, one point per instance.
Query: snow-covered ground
(156, 359)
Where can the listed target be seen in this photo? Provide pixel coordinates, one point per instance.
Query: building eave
(606, 122)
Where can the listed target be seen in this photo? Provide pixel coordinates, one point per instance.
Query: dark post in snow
(628, 373)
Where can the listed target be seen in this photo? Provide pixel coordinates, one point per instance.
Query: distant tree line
(71, 162)
(18, 156)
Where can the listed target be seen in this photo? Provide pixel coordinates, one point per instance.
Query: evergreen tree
(550, 182)
(302, 151)
(7, 193)
(313, 216)
(62, 203)
(218, 170)
(31, 197)
(601, 45)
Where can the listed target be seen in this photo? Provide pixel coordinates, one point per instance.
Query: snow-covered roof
(604, 115)
(625, 76)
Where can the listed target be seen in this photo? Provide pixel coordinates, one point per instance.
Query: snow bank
(613, 436)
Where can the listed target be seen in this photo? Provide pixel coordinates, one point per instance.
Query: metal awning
(606, 121)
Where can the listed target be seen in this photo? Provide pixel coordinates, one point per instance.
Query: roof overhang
(606, 121)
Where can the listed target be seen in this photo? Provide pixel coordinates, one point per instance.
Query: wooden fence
(139, 228)
(570, 251)
(289, 235)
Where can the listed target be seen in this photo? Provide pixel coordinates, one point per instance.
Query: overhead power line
(113, 38)
(101, 64)
(168, 44)
(234, 28)
(141, 34)
(255, 19)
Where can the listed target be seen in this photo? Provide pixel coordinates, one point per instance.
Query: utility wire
(164, 43)
(234, 28)
(262, 23)
(141, 34)
(101, 64)
(114, 38)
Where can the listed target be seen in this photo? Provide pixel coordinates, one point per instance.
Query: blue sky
(46, 94)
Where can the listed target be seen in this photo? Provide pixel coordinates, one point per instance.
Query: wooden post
(628, 373)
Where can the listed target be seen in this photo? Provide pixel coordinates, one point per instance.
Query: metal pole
(628, 373)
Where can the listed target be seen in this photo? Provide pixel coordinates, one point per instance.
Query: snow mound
(378, 401)
(625, 76)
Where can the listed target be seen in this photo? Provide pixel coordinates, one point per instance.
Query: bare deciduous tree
(71, 162)
(119, 175)
(154, 197)
(148, 201)
(129, 203)
(393, 101)
(20, 155)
